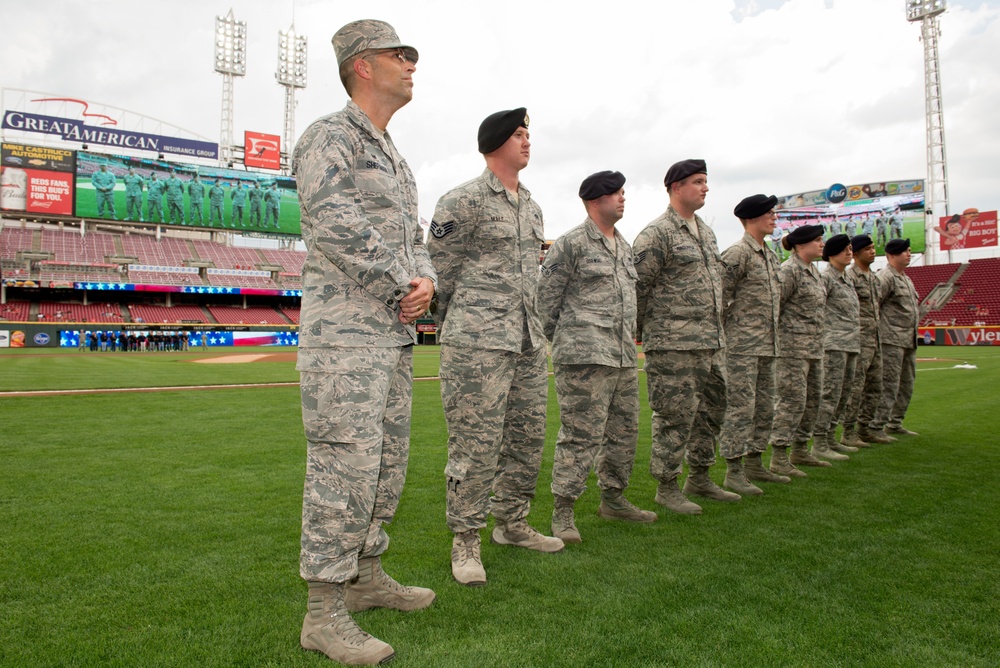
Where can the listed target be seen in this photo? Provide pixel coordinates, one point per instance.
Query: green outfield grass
(161, 529)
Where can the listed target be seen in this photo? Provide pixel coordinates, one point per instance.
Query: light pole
(230, 61)
(291, 73)
(936, 186)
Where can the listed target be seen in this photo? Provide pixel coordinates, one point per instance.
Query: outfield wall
(960, 336)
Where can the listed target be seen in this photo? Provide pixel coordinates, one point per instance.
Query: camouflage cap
(365, 35)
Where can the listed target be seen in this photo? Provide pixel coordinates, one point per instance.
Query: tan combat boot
(522, 534)
(736, 479)
(753, 468)
(801, 456)
(466, 564)
(699, 484)
(329, 628)
(851, 439)
(614, 506)
(900, 429)
(669, 494)
(875, 436)
(781, 465)
(564, 522)
(822, 448)
(372, 588)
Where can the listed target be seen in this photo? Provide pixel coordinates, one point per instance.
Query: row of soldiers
(171, 190)
(720, 333)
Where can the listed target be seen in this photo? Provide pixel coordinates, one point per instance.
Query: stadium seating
(227, 257)
(69, 312)
(68, 246)
(16, 311)
(977, 300)
(14, 240)
(925, 278)
(291, 313)
(252, 315)
(160, 314)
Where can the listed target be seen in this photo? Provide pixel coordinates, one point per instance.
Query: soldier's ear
(362, 68)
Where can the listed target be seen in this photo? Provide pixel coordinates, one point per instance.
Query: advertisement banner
(969, 229)
(4, 338)
(37, 179)
(115, 187)
(883, 210)
(261, 150)
(75, 130)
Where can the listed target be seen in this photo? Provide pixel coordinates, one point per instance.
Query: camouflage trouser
(215, 211)
(154, 207)
(896, 231)
(195, 211)
(105, 200)
(271, 211)
(899, 366)
(839, 368)
(687, 392)
(800, 386)
(883, 235)
(599, 412)
(238, 214)
(255, 213)
(133, 206)
(175, 210)
(749, 405)
(866, 393)
(494, 404)
(356, 412)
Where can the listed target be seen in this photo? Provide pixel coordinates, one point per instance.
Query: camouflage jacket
(899, 307)
(751, 298)
(679, 294)
(361, 229)
(803, 310)
(486, 247)
(842, 329)
(867, 290)
(586, 298)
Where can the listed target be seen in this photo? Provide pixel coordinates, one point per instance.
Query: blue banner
(76, 131)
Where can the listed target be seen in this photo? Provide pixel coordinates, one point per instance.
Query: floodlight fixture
(918, 10)
(292, 59)
(230, 45)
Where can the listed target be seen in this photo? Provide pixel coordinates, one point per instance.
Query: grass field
(161, 529)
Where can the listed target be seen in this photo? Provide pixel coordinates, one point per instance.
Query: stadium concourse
(53, 273)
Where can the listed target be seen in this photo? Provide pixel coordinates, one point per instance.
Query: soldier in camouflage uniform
(751, 299)
(133, 195)
(586, 300)
(882, 228)
(841, 347)
(216, 203)
(900, 309)
(175, 198)
(866, 393)
(366, 279)
(238, 194)
(486, 240)
(800, 362)
(896, 223)
(272, 205)
(679, 305)
(196, 194)
(154, 199)
(104, 181)
(255, 196)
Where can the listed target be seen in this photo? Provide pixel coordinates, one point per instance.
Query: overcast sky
(779, 96)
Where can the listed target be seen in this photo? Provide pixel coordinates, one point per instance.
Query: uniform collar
(752, 242)
(493, 182)
(674, 215)
(360, 118)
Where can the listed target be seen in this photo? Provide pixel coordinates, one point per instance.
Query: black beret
(896, 246)
(498, 127)
(861, 241)
(683, 169)
(801, 235)
(835, 245)
(600, 184)
(754, 206)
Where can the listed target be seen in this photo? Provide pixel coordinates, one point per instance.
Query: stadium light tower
(936, 190)
(292, 66)
(230, 62)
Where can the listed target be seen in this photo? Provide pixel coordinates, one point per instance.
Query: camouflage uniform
(364, 245)
(104, 187)
(800, 365)
(486, 246)
(154, 200)
(900, 309)
(586, 301)
(239, 197)
(255, 196)
(216, 203)
(272, 206)
(866, 393)
(751, 297)
(896, 225)
(175, 200)
(679, 309)
(882, 229)
(196, 193)
(133, 196)
(841, 347)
